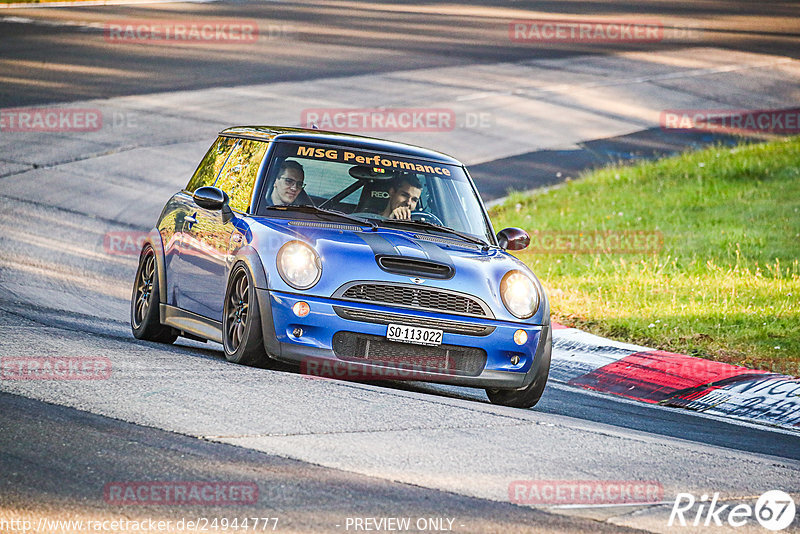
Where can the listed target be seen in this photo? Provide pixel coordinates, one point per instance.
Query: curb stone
(591, 362)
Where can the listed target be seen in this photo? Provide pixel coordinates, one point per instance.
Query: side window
(240, 172)
(213, 161)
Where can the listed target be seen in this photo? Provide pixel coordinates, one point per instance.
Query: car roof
(271, 133)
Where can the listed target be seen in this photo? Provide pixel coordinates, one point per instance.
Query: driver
(288, 186)
(403, 197)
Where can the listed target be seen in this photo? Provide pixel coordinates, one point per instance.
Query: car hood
(350, 253)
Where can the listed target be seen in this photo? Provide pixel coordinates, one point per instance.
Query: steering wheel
(426, 216)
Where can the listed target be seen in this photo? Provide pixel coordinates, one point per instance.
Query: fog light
(301, 309)
(297, 332)
(520, 337)
(514, 360)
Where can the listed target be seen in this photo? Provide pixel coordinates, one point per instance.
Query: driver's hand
(401, 212)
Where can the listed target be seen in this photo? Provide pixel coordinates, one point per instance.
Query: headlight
(299, 265)
(519, 294)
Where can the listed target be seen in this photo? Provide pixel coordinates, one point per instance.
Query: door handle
(190, 220)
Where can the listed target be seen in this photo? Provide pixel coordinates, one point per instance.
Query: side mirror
(210, 198)
(513, 239)
(213, 198)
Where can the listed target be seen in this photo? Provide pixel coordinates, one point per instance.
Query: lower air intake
(377, 350)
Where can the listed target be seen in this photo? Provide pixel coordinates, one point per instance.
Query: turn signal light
(520, 337)
(301, 309)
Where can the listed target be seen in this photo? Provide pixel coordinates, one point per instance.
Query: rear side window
(240, 172)
(213, 161)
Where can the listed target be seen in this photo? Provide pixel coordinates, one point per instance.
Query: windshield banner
(364, 158)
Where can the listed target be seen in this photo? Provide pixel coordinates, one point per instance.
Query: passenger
(288, 185)
(403, 197)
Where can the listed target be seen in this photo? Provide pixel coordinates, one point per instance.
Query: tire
(242, 338)
(526, 397)
(145, 315)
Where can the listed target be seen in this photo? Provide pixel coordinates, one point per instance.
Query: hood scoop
(415, 267)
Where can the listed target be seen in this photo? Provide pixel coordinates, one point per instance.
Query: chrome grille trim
(414, 297)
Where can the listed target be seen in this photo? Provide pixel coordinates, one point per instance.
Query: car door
(180, 272)
(207, 236)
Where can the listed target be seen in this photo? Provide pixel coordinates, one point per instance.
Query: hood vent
(415, 267)
(332, 226)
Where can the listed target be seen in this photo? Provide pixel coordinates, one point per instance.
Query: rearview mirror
(362, 172)
(513, 239)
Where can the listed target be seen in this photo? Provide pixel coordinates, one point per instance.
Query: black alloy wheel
(241, 321)
(145, 315)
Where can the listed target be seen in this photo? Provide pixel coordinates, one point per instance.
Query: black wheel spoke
(149, 268)
(241, 287)
(231, 329)
(239, 333)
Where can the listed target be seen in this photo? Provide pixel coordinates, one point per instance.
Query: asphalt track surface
(93, 450)
(309, 40)
(320, 451)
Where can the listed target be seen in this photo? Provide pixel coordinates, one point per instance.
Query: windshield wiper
(307, 208)
(430, 226)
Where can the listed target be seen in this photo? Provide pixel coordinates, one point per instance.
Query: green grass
(726, 283)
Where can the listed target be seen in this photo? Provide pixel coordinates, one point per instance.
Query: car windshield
(381, 188)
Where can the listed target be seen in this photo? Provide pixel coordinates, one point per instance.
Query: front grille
(377, 350)
(454, 327)
(408, 296)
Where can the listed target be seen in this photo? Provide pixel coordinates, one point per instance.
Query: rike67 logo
(774, 510)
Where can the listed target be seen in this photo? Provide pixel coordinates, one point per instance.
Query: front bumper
(323, 329)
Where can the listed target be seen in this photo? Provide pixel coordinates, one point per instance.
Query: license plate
(414, 334)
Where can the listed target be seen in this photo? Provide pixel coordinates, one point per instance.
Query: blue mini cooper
(350, 256)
